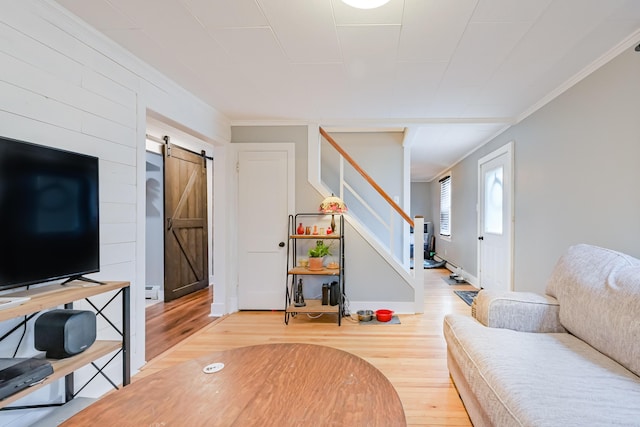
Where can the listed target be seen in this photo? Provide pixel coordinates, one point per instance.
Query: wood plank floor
(412, 355)
(168, 323)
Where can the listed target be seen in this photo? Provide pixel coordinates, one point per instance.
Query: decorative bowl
(384, 315)
(365, 315)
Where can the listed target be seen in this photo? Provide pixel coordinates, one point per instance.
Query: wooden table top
(262, 385)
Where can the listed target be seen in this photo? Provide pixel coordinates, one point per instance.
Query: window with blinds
(445, 206)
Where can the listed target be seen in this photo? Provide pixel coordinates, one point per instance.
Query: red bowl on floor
(384, 315)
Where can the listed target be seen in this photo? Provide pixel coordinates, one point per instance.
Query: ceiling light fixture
(366, 4)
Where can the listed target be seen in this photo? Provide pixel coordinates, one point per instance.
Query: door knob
(281, 244)
(481, 238)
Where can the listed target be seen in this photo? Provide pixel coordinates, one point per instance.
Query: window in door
(493, 192)
(445, 206)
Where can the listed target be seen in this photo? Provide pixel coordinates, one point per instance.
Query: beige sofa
(567, 358)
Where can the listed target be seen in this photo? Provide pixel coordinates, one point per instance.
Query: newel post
(418, 263)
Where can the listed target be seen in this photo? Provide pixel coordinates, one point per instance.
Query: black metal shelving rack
(313, 306)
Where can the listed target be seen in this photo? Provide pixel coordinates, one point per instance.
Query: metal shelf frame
(294, 271)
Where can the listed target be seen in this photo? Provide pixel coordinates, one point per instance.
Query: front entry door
(265, 199)
(185, 229)
(495, 219)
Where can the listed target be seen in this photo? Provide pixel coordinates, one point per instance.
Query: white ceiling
(453, 72)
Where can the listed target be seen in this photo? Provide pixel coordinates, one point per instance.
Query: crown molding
(625, 44)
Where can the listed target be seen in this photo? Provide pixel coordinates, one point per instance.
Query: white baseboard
(468, 277)
(217, 309)
(232, 305)
(472, 280)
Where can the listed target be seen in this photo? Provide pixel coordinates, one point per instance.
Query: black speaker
(334, 294)
(63, 333)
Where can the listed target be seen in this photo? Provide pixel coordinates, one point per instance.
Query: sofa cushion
(520, 311)
(599, 294)
(537, 380)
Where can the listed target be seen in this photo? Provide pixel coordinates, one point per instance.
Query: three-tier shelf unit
(298, 245)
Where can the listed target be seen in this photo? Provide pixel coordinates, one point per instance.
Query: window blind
(445, 206)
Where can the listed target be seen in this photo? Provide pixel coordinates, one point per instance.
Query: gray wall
(381, 156)
(576, 176)
(421, 200)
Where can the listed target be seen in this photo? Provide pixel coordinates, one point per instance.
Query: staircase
(378, 233)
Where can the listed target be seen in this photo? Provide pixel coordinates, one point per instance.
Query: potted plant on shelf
(317, 254)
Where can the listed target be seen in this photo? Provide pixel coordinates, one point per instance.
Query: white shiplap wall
(64, 85)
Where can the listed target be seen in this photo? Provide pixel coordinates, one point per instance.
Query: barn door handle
(281, 244)
(169, 223)
(481, 238)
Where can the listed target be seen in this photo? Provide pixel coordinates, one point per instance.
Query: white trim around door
(496, 219)
(266, 191)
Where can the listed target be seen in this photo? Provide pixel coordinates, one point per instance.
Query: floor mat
(394, 321)
(467, 296)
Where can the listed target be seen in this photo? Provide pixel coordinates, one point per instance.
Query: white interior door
(495, 219)
(265, 199)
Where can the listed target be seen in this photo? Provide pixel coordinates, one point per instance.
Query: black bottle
(298, 297)
(325, 294)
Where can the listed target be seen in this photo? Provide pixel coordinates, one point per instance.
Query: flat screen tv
(49, 225)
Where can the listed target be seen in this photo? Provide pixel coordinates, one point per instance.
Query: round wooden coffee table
(262, 385)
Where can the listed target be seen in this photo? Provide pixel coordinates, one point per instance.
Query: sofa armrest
(520, 311)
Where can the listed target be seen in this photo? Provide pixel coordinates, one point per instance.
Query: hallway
(168, 323)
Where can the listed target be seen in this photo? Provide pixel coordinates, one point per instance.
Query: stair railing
(366, 176)
(389, 229)
(398, 242)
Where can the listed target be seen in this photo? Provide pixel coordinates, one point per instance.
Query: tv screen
(48, 214)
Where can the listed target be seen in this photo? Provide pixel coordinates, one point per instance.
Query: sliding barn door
(185, 229)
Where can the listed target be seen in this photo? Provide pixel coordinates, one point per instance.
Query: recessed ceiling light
(365, 4)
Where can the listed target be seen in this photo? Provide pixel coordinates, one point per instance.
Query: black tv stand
(82, 279)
